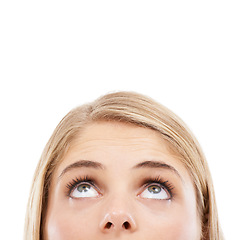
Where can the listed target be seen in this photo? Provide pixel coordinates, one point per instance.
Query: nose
(118, 221)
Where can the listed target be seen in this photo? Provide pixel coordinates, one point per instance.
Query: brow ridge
(97, 165)
(156, 164)
(81, 164)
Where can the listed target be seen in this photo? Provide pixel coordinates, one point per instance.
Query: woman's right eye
(84, 190)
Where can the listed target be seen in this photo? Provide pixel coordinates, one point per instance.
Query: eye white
(155, 192)
(84, 190)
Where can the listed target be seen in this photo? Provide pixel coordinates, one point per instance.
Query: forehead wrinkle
(120, 141)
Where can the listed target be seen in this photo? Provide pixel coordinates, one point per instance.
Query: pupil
(83, 188)
(154, 189)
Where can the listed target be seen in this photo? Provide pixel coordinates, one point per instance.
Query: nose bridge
(118, 215)
(118, 200)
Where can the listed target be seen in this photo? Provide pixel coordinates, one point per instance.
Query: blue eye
(155, 191)
(84, 190)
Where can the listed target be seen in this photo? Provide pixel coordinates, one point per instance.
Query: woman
(122, 167)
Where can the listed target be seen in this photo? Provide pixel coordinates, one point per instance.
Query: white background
(55, 55)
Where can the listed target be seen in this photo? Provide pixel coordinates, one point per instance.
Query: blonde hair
(137, 109)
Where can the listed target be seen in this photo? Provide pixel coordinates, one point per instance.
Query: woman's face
(119, 181)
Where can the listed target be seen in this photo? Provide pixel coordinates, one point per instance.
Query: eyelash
(76, 181)
(146, 183)
(160, 181)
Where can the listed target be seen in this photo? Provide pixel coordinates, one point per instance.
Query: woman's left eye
(156, 191)
(84, 190)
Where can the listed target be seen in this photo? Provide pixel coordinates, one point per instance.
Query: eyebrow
(81, 164)
(157, 164)
(96, 165)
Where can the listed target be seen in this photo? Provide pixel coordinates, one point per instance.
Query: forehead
(117, 133)
(119, 144)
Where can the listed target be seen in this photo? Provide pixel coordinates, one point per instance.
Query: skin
(120, 205)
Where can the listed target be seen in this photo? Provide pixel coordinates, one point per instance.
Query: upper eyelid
(158, 180)
(76, 182)
(152, 164)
